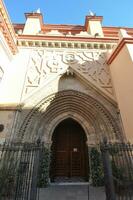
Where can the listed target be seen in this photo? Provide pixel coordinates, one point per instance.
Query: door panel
(61, 168)
(69, 151)
(75, 164)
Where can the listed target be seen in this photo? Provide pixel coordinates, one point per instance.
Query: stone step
(71, 191)
(64, 192)
(96, 193)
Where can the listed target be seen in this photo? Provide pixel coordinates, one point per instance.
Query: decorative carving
(35, 70)
(101, 119)
(53, 64)
(90, 64)
(42, 65)
(69, 58)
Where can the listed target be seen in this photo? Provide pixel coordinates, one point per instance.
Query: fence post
(33, 192)
(108, 176)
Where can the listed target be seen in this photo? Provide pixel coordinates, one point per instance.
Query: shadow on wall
(95, 113)
(95, 118)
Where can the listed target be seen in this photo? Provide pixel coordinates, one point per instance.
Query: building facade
(68, 85)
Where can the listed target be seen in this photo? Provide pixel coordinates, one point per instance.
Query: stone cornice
(119, 47)
(68, 38)
(7, 28)
(11, 107)
(66, 42)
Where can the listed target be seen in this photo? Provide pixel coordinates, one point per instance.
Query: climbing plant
(8, 166)
(43, 178)
(97, 174)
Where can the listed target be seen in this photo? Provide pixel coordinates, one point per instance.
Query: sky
(115, 12)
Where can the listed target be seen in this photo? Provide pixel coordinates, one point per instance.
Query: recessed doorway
(69, 159)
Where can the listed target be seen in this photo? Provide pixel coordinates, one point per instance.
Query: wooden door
(69, 152)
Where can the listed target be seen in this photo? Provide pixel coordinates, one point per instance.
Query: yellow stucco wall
(122, 76)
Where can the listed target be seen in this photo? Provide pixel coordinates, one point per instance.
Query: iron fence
(19, 166)
(118, 170)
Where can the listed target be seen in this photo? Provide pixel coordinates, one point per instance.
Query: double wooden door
(69, 152)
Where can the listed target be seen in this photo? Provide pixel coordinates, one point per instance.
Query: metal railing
(19, 166)
(118, 170)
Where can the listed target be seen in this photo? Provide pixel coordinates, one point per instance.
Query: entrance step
(71, 191)
(62, 179)
(96, 193)
(64, 192)
(70, 183)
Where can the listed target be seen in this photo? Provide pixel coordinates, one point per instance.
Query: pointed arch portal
(99, 120)
(68, 121)
(69, 152)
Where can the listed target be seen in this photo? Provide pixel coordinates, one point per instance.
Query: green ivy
(7, 175)
(97, 174)
(43, 179)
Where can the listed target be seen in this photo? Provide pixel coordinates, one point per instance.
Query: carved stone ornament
(90, 64)
(47, 113)
(69, 58)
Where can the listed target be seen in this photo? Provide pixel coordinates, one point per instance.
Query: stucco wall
(95, 27)
(5, 58)
(12, 85)
(32, 26)
(122, 76)
(87, 73)
(6, 118)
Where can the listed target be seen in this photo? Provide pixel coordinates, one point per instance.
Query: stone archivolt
(96, 120)
(90, 64)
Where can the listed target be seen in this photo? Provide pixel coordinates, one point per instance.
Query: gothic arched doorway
(69, 152)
